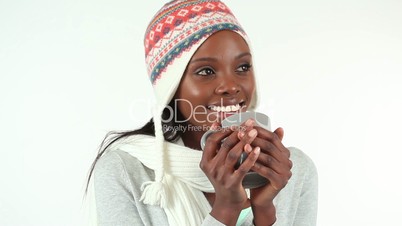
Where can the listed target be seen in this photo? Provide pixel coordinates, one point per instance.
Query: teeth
(229, 108)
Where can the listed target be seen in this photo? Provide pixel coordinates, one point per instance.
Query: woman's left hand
(274, 164)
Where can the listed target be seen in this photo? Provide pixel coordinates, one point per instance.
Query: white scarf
(183, 181)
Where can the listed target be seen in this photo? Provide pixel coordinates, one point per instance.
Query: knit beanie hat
(174, 34)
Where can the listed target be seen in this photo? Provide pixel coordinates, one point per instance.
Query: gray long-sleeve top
(118, 177)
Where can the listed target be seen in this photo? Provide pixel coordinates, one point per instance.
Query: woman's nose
(227, 86)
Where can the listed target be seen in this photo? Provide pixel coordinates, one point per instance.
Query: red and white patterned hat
(173, 36)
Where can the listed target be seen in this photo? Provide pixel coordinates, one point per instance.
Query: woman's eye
(243, 68)
(205, 72)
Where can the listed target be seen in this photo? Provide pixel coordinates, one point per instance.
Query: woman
(200, 64)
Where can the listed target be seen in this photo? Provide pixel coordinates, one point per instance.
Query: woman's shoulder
(118, 165)
(118, 177)
(113, 159)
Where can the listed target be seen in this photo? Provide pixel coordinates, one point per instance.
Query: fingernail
(241, 134)
(249, 122)
(257, 150)
(248, 148)
(252, 133)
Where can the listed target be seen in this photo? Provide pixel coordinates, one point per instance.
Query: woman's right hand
(218, 163)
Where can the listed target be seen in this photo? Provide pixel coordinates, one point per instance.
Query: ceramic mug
(252, 179)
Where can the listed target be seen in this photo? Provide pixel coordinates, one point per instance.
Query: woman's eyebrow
(243, 55)
(209, 59)
(203, 59)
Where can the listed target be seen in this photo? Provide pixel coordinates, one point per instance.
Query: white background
(329, 71)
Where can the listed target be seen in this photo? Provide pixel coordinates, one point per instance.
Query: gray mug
(252, 179)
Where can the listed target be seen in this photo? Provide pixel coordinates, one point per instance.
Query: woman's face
(218, 81)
